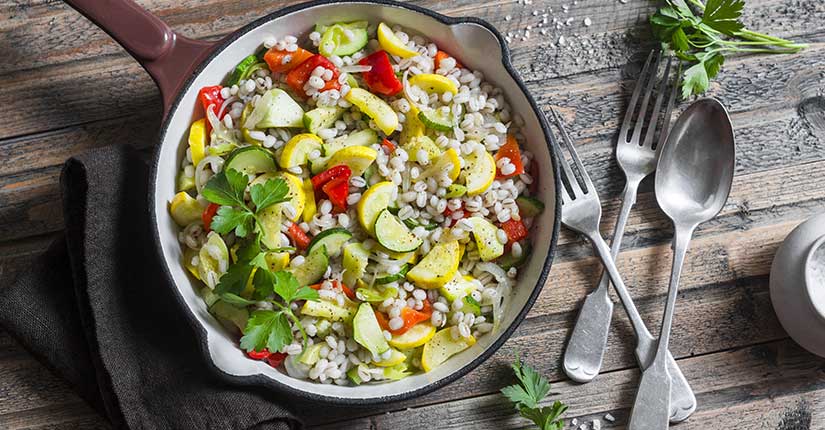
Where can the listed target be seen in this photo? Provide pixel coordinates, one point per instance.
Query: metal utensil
(637, 159)
(582, 212)
(695, 173)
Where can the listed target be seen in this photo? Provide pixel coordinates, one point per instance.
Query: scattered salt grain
(587, 22)
(610, 418)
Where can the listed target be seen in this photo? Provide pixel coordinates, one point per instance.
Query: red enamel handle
(168, 57)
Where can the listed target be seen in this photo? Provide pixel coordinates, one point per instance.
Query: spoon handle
(651, 408)
(585, 349)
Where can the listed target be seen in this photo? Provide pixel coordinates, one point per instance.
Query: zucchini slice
(393, 234)
(333, 240)
(251, 160)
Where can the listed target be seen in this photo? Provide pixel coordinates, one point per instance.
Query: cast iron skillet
(180, 66)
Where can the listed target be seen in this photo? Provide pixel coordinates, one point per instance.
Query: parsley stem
(286, 310)
(754, 35)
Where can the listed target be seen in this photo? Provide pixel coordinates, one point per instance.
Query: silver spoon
(693, 180)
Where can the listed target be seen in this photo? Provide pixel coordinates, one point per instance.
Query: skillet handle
(168, 57)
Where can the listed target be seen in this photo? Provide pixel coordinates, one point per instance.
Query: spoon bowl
(695, 169)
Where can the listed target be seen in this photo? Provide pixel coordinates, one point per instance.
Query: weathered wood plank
(30, 165)
(74, 73)
(73, 415)
(27, 385)
(775, 385)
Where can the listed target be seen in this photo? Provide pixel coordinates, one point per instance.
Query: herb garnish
(703, 41)
(265, 329)
(227, 189)
(529, 392)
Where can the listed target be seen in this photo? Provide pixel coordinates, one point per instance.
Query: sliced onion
(213, 119)
(503, 290)
(355, 68)
(215, 161)
(224, 105)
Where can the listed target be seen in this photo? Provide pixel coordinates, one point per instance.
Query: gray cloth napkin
(97, 309)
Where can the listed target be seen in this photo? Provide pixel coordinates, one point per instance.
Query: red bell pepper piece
(284, 61)
(382, 320)
(515, 230)
(388, 146)
(299, 76)
(337, 191)
(299, 238)
(208, 214)
(275, 359)
(511, 151)
(319, 180)
(410, 316)
(211, 96)
(258, 355)
(381, 78)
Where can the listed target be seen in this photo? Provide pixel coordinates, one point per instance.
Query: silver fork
(585, 349)
(582, 213)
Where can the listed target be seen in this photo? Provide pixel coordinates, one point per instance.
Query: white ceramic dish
(798, 298)
(475, 43)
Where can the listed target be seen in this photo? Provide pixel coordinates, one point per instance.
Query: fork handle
(585, 349)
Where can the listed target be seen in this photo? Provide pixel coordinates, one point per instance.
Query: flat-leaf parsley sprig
(265, 329)
(704, 40)
(529, 392)
(227, 188)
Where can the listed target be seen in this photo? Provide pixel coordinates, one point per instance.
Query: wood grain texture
(67, 88)
(772, 385)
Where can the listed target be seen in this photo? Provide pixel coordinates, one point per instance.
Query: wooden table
(65, 87)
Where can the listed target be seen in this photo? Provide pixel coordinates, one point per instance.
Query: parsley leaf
(269, 193)
(264, 282)
(226, 188)
(236, 300)
(286, 286)
(235, 279)
(266, 329)
(723, 15)
(249, 249)
(712, 64)
(271, 329)
(228, 218)
(696, 80)
(528, 393)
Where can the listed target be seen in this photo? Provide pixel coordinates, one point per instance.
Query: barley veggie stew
(356, 209)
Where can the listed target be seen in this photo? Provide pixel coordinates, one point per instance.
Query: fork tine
(575, 156)
(567, 171)
(628, 116)
(654, 119)
(640, 117)
(669, 111)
